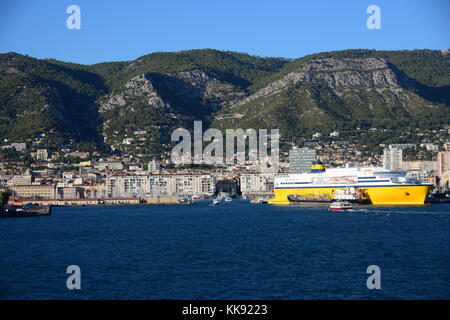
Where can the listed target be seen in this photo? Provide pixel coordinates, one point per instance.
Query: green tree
(4, 196)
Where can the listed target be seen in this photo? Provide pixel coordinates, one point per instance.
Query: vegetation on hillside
(54, 100)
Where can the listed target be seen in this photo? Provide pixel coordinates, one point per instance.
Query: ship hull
(377, 195)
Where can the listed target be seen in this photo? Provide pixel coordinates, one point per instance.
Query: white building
(256, 182)
(41, 154)
(153, 166)
(393, 159)
(334, 134)
(419, 165)
(19, 146)
(155, 185)
(127, 186)
(403, 146)
(109, 165)
(422, 176)
(430, 146)
(18, 180)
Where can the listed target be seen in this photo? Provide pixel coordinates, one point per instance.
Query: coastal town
(224, 159)
(71, 177)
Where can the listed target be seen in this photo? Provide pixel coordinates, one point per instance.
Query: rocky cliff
(321, 93)
(134, 106)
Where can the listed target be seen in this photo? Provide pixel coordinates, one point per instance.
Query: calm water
(236, 251)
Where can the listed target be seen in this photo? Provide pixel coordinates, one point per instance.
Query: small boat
(259, 201)
(228, 199)
(184, 200)
(341, 205)
(17, 213)
(215, 202)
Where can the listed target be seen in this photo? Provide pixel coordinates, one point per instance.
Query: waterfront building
(156, 184)
(300, 159)
(127, 186)
(68, 192)
(159, 185)
(256, 182)
(190, 184)
(34, 191)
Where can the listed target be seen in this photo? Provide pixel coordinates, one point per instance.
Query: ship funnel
(317, 166)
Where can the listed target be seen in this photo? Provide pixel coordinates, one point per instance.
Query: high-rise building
(393, 159)
(300, 159)
(443, 162)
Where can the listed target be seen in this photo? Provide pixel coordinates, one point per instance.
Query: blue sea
(234, 251)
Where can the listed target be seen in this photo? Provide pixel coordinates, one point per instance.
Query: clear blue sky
(125, 30)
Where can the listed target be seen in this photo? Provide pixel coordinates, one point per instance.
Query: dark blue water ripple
(235, 251)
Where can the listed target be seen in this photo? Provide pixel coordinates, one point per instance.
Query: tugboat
(341, 205)
(350, 194)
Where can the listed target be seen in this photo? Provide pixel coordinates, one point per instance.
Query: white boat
(228, 199)
(185, 200)
(341, 205)
(215, 202)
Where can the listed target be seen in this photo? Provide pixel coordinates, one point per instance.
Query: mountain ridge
(105, 103)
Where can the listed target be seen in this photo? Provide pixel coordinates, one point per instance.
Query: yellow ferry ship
(378, 186)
